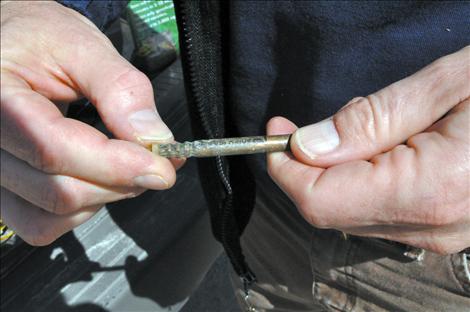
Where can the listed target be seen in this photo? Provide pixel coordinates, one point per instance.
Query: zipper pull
(248, 279)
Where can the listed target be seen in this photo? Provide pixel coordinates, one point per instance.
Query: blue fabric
(305, 60)
(100, 12)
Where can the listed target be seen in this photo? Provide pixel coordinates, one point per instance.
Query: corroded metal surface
(223, 147)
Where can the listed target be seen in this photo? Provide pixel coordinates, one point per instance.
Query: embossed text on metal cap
(221, 147)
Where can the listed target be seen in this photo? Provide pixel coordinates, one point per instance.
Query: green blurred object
(155, 33)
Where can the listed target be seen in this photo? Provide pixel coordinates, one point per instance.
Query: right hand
(57, 172)
(393, 165)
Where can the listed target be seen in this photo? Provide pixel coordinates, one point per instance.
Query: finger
(36, 226)
(336, 200)
(78, 57)
(374, 124)
(31, 60)
(34, 130)
(455, 125)
(356, 193)
(279, 126)
(178, 162)
(122, 95)
(56, 193)
(290, 175)
(405, 186)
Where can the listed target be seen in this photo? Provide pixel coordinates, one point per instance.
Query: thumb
(122, 95)
(370, 125)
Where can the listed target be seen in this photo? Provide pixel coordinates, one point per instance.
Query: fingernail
(317, 139)
(147, 122)
(151, 181)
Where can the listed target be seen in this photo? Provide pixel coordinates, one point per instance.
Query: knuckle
(60, 198)
(130, 87)
(313, 216)
(318, 221)
(49, 198)
(132, 79)
(45, 159)
(354, 100)
(448, 68)
(85, 41)
(311, 204)
(361, 116)
(441, 67)
(39, 235)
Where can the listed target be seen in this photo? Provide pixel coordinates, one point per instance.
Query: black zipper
(232, 248)
(193, 82)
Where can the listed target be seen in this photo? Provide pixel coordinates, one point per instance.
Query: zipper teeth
(198, 100)
(193, 80)
(225, 214)
(238, 266)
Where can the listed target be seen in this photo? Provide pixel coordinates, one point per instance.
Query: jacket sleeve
(100, 12)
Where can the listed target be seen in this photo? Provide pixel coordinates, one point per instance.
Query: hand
(352, 172)
(56, 172)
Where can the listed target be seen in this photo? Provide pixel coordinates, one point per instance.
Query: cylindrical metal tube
(223, 147)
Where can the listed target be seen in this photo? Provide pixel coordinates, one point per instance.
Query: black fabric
(201, 26)
(305, 60)
(301, 60)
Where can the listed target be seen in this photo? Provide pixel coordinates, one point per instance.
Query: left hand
(353, 172)
(56, 171)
